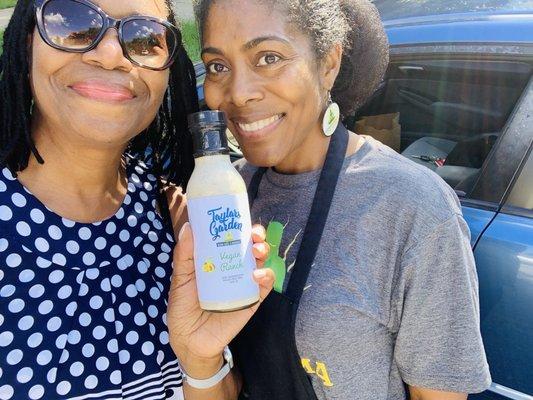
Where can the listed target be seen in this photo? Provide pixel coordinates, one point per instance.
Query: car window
(522, 193)
(446, 115)
(393, 9)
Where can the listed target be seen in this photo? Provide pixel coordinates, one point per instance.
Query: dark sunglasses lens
(148, 43)
(71, 25)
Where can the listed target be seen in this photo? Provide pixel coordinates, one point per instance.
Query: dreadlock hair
(166, 144)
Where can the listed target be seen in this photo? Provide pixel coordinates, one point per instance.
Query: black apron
(265, 350)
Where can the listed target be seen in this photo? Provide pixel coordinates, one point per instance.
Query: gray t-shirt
(393, 294)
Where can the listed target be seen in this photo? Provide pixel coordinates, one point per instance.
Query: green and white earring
(331, 118)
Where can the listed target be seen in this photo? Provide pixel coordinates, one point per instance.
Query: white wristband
(215, 379)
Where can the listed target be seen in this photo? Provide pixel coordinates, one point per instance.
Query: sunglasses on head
(77, 26)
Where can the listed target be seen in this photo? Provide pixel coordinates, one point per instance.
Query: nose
(244, 87)
(108, 54)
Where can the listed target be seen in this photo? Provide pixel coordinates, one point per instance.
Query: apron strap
(319, 210)
(253, 187)
(319, 213)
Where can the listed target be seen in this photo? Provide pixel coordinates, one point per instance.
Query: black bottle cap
(207, 117)
(208, 130)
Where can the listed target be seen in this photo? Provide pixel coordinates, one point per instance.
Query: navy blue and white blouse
(83, 306)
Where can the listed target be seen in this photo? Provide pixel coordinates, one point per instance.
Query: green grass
(191, 39)
(7, 3)
(1, 39)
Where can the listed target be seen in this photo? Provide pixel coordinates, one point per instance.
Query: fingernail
(259, 230)
(182, 230)
(260, 273)
(260, 246)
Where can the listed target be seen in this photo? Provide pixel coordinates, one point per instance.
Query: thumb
(184, 251)
(182, 296)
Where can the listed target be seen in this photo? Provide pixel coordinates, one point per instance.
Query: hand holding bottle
(198, 337)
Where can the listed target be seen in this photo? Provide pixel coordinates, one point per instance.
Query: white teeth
(258, 125)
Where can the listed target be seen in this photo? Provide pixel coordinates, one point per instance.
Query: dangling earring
(331, 118)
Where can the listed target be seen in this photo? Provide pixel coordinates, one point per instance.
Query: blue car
(460, 79)
(458, 99)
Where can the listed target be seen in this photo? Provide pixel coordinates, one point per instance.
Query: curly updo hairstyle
(355, 24)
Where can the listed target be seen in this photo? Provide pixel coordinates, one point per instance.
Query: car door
(446, 106)
(504, 259)
(499, 212)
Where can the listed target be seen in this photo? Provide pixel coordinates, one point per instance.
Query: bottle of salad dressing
(220, 219)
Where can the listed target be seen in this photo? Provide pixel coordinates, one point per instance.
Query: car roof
(396, 9)
(479, 27)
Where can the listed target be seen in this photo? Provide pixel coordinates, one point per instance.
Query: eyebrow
(212, 50)
(257, 41)
(247, 46)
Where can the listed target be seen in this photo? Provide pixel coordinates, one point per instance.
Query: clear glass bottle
(220, 219)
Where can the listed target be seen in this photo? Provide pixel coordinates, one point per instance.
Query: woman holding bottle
(379, 295)
(90, 90)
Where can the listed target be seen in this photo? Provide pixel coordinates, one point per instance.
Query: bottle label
(223, 255)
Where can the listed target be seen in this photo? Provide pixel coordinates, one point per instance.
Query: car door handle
(407, 68)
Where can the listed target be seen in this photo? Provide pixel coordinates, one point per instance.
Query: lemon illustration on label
(228, 237)
(208, 266)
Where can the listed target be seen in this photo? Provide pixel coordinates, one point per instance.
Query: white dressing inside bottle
(220, 219)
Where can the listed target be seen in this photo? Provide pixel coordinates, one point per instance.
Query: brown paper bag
(384, 127)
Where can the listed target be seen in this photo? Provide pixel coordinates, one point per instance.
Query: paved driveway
(5, 14)
(183, 9)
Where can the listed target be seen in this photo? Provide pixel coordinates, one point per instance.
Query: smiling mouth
(259, 125)
(102, 91)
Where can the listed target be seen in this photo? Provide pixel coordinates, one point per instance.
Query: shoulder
(6, 175)
(7, 182)
(404, 189)
(177, 205)
(142, 176)
(246, 169)
(139, 173)
(7, 200)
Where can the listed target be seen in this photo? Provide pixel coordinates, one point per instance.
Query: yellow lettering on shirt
(322, 373)
(320, 370)
(306, 363)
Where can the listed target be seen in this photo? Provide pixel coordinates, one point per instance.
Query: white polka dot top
(83, 306)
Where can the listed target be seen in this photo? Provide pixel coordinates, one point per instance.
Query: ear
(331, 65)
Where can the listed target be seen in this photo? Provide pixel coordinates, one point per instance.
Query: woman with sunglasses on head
(90, 90)
(376, 289)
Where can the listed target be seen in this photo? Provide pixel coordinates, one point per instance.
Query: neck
(76, 181)
(309, 156)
